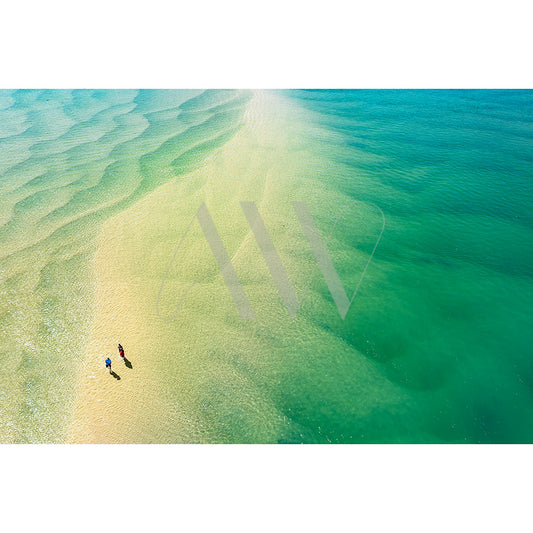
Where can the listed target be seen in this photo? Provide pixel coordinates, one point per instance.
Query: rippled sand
(70, 161)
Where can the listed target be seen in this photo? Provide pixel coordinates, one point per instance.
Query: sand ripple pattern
(69, 160)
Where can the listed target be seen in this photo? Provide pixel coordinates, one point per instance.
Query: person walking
(121, 352)
(108, 364)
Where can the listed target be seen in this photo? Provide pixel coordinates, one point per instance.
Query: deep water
(445, 309)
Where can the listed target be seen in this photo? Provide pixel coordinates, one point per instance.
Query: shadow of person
(128, 363)
(115, 375)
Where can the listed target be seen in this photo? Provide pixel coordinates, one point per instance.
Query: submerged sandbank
(207, 375)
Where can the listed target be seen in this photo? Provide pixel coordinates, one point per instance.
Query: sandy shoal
(154, 400)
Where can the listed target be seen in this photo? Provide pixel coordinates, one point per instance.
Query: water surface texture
(97, 189)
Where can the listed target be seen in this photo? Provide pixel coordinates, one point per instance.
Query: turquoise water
(68, 161)
(437, 344)
(445, 310)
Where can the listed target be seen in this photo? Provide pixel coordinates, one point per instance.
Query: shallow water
(69, 161)
(436, 345)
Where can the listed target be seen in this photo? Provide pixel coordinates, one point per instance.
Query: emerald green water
(436, 346)
(445, 309)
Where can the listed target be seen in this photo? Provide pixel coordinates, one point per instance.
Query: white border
(266, 488)
(274, 44)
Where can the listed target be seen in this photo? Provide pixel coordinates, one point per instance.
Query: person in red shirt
(121, 351)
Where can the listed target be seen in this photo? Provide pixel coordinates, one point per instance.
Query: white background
(276, 44)
(270, 44)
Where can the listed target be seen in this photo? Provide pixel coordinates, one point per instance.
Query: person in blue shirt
(108, 364)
